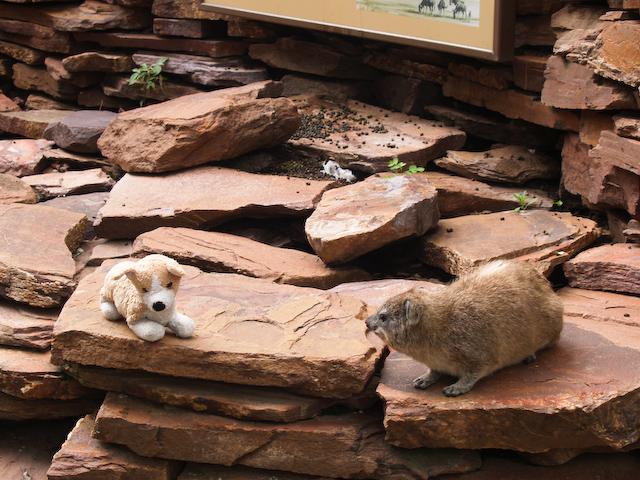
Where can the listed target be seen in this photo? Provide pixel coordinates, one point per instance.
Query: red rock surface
(199, 128)
(26, 327)
(264, 334)
(344, 446)
(375, 292)
(23, 157)
(82, 457)
(615, 268)
(36, 266)
(79, 132)
(353, 220)
(225, 253)
(30, 124)
(507, 164)
(98, 62)
(363, 137)
(578, 394)
(140, 203)
(18, 409)
(545, 238)
(15, 190)
(60, 184)
(463, 196)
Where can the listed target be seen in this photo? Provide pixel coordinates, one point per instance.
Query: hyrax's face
(395, 320)
(157, 278)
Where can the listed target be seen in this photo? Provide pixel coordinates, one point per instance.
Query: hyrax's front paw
(148, 330)
(182, 326)
(454, 390)
(426, 380)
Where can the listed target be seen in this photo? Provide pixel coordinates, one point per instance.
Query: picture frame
(484, 30)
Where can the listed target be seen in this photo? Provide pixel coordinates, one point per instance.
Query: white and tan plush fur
(144, 293)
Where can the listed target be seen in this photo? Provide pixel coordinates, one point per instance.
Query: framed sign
(479, 28)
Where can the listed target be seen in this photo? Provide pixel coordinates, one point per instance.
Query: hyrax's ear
(174, 268)
(412, 311)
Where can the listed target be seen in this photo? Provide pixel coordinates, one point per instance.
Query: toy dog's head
(157, 278)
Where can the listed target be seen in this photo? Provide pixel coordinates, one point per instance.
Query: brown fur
(499, 315)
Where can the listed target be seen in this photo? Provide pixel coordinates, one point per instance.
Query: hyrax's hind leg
(426, 380)
(530, 359)
(462, 386)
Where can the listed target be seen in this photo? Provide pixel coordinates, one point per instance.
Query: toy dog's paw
(110, 311)
(182, 326)
(148, 330)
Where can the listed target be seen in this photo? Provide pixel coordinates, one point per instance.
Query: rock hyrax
(499, 315)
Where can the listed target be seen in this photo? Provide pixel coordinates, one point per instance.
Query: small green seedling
(149, 76)
(524, 201)
(395, 165)
(558, 203)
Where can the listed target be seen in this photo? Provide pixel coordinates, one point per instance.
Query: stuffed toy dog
(144, 293)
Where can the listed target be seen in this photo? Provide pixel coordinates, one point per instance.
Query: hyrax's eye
(145, 290)
(170, 284)
(383, 317)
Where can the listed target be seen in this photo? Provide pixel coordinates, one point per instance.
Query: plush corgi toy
(144, 293)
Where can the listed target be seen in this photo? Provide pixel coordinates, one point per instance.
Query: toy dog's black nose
(159, 306)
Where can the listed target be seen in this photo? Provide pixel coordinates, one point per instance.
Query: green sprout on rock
(149, 76)
(524, 201)
(395, 165)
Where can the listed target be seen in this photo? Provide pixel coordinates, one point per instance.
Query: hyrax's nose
(370, 322)
(159, 306)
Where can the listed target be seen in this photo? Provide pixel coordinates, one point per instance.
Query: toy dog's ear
(131, 274)
(174, 268)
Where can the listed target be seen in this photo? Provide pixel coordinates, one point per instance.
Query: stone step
(225, 253)
(363, 137)
(235, 401)
(200, 128)
(340, 446)
(26, 327)
(505, 164)
(557, 402)
(357, 219)
(615, 268)
(141, 203)
(458, 196)
(36, 264)
(248, 331)
(82, 457)
(545, 238)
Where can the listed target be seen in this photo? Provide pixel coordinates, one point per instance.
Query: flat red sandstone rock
(235, 401)
(225, 253)
(61, 184)
(36, 266)
(110, 249)
(23, 157)
(179, 27)
(90, 15)
(29, 374)
(227, 72)
(21, 53)
(79, 131)
(463, 196)
(199, 128)
(27, 77)
(197, 471)
(556, 402)
(7, 105)
(614, 268)
(19, 409)
(30, 124)
(342, 446)
(545, 238)
(507, 164)
(87, 204)
(248, 331)
(140, 203)
(587, 467)
(15, 190)
(36, 101)
(627, 126)
(147, 41)
(367, 138)
(82, 457)
(26, 327)
(184, 9)
(574, 86)
(309, 57)
(98, 62)
(118, 86)
(375, 292)
(357, 219)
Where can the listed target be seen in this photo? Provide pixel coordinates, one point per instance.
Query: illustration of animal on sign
(459, 7)
(498, 315)
(442, 7)
(427, 5)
